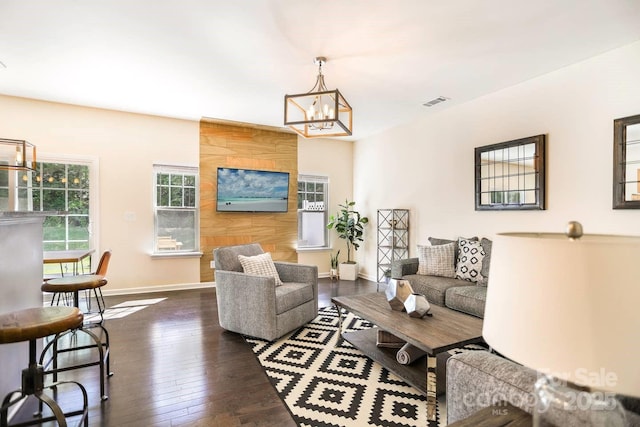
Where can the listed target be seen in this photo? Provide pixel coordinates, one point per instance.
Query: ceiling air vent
(435, 101)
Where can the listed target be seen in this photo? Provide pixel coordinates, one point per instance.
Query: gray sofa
(456, 294)
(477, 379)
(254, 305)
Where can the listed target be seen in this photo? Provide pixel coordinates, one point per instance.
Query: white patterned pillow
(437, 260)
(260, 265)
(470, 257)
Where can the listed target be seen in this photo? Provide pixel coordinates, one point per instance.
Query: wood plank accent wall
(239, 145)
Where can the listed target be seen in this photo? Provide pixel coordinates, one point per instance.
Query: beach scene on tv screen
(252, 190)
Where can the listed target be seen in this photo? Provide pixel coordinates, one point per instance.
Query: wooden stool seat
(32, 323)
(29, 325)
(74, 283)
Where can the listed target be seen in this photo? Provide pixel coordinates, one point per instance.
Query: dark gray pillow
(486, 245)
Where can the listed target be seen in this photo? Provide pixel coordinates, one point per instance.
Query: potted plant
(334, 265)
(350, 226)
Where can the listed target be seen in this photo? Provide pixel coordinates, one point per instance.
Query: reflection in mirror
(510, 175)
(626, 163)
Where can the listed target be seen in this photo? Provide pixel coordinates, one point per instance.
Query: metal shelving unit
(393, 238)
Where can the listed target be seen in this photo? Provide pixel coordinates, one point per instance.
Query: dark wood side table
(499, 415)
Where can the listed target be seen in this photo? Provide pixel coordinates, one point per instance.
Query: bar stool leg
(103, 355)
(33, 385)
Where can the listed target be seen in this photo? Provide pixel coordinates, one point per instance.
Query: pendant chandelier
(319, 112)
(17, 154)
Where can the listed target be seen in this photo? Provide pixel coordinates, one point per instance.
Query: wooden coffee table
(445, 330)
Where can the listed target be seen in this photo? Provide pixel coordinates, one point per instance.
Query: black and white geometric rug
(327, 385)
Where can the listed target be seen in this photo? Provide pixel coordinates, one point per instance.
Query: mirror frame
(620, 162)
(540, 177)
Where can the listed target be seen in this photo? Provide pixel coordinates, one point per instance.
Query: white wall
(428, 165)
(126, 146)
(332, 158)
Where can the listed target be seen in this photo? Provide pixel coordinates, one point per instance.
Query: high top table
(445, 330)
(63, 257)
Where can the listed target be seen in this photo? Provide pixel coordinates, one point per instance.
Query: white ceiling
(236, 59)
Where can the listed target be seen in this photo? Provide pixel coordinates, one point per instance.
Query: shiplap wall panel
(248, 147)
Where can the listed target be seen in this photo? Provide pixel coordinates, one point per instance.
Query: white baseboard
(160, 288)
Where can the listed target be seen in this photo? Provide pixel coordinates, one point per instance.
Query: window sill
(159, 255)
(317, 249)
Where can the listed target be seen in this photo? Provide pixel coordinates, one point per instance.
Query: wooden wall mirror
(626, 163)
(511, 175)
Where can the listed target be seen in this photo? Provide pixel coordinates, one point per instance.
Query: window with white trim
(313, 191)
(176, 209)
(57, 185)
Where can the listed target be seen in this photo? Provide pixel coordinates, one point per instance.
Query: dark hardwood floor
(175, 366)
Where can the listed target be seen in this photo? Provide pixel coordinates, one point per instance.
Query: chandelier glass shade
(16, 154)
(320, 112)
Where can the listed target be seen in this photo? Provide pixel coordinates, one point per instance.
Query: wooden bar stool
(29, 325)
(73, 285)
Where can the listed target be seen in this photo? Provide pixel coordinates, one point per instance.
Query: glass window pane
(53, 200)
(54, 246)
(163, 196)
(176, 196)
(78, 176)
(4, 178)
(176, 179)
(54, 228)
(79, 245)
(180, 226)
(78, 202)
(300, 186)
(4, 199)
(163, 178)
(53, 173)
(190, 197)
(190, 180)
(79, 228)
(36, 196)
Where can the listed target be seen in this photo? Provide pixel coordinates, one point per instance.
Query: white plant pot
(348, 271)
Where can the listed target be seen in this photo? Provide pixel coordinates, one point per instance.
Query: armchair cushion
(260, 265)
(291, 295)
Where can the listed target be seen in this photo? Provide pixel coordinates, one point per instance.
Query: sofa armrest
(478, 379)
(404, 267)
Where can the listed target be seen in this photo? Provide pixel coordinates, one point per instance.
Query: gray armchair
(254, 305)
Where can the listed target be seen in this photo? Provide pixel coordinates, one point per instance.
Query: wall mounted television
(246, 190)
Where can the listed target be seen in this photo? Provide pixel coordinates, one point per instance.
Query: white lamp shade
(569, 308)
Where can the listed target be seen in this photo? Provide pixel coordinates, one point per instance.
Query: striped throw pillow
(260, 265)
(437, 260)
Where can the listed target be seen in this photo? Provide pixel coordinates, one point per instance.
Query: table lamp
(567, 305)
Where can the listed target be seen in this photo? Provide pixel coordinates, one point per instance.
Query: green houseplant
(350, 226)
(333, 273)
(334, 260)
